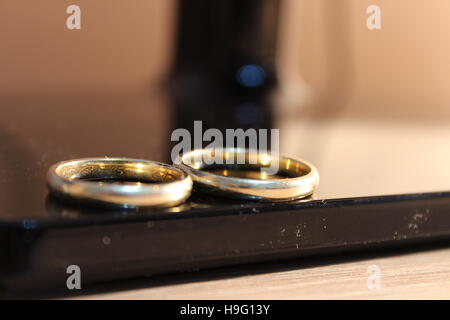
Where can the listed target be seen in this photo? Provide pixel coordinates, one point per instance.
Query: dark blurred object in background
(224, 68)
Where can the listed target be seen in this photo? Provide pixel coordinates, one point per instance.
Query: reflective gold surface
(246, 174)
(295, 179)
(120, 181)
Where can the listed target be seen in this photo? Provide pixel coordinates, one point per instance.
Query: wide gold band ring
(120, 182)
(294, 179)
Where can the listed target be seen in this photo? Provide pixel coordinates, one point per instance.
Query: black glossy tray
(207, 232)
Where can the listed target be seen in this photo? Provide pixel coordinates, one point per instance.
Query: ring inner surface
(251, 168)
(118, 172)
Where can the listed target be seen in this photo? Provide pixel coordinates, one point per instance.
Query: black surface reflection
(223, 74)
(58, 207)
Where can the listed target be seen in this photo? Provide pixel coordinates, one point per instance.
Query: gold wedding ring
(294, 179)
(120, 181)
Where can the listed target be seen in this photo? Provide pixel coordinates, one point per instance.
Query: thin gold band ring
(130, 182)
(295, 178)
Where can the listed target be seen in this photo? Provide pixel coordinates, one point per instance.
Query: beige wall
(122, 46)
(374, 108)
(127, 45)
(400, 71)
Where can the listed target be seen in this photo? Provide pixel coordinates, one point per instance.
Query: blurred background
(369, 107)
